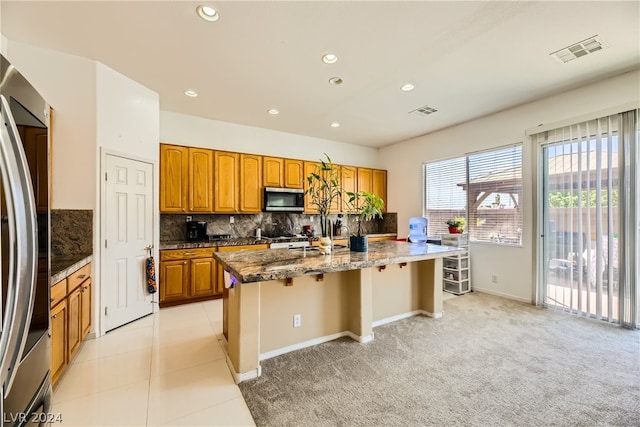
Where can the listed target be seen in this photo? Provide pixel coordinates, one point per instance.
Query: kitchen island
(283, 300)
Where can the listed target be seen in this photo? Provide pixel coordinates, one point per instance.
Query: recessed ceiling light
(329, 58)
(207, 13)
(335, 125)
(191, 93)
(335, 81)
(407, 87)
(273, 111)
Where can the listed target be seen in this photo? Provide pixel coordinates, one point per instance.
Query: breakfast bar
(282, 300)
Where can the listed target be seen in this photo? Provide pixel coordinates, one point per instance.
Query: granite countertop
(242, 241)
(64, 266)
(275, 264)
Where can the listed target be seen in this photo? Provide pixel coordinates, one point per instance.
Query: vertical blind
(590, 218)
(485, 188)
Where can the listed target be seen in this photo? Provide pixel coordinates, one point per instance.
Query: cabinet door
(200, 180)
(58, 339)
(203, 277)
(36, 149)
(74, 326)
(309, 168)
(226, 182)
(174, 176)
(380, 185)
(273, 169)
(250, 183)
(174, 280)
(348, 182)
(85, 308)
(293, 173)
(365, 179)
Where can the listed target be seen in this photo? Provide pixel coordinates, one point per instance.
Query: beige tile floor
(167, 369)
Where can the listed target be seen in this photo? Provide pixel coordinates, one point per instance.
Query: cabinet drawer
(173, 254)
(74, 280)
(58, 292)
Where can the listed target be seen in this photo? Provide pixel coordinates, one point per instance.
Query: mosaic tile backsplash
(172, 227)
(71, 232)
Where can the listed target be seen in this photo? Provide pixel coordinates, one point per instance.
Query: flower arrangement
(457, 225)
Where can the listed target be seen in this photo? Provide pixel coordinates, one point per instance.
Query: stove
(216, 237)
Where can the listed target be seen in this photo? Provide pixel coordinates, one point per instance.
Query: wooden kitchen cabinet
(293, 173)
(348, 176)
(226, 182)
(379, 185)
(59, 359)
(186, 179)
(200, 181)
(220, 282)
(187, 275)
(273, 172)
(250, 183)
(309, 168)
(35, 141)
(70, 318)
(365, 180)
(174, 177)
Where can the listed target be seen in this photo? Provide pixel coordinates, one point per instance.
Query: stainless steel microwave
(283, 199)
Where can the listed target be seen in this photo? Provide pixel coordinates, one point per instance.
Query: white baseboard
(305, 344)
(437, 315)
(244, 376)
(397, 317)
(360, 339)
(500, 294)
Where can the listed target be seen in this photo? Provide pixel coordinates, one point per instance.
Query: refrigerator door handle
(23, 244)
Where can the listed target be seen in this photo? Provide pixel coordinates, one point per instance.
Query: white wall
(68, 84)
(128, 124)
(193, 131)
(514, 266)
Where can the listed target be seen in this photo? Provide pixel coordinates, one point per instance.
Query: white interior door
(128, 229)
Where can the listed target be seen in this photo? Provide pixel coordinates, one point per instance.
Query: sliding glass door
(586, 233)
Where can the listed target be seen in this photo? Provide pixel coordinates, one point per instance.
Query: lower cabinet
(70, 318)
(187, 275)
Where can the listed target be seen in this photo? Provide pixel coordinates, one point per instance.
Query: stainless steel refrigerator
(25, 340)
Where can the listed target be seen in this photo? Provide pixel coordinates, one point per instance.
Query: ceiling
(466, 59)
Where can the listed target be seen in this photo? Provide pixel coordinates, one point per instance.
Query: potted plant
(457, 225)
(323, 187)
(365, 206)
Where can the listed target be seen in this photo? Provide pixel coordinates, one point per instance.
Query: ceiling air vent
(585, 47)
(423, 111)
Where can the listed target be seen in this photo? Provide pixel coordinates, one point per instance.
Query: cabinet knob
(55, 316)
(184, 262)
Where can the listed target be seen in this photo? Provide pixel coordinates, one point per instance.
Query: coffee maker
(196, 231)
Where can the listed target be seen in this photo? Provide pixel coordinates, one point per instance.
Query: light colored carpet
(488, 362)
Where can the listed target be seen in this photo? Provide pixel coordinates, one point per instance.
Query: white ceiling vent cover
(423, 111)
(583, 48)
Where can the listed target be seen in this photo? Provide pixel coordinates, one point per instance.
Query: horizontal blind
(445, 196)
(494, 196)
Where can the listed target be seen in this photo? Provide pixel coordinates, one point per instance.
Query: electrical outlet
(189, 218)
(231, 219)
(310, 219)
(494, 278)
(297, 320)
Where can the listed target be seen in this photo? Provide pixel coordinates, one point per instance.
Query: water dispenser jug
(417, 229)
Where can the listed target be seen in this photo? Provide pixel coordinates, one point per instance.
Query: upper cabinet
(174, 177)
(186, 179)
(293, 173)
(348, 182)
(200, 180)
(250, 183)
(226, 181)
(379, 185)
(273, 170)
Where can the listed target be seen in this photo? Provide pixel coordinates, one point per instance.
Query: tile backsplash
(172, 226)
(71, 232)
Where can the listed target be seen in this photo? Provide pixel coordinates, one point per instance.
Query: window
(485, 188)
